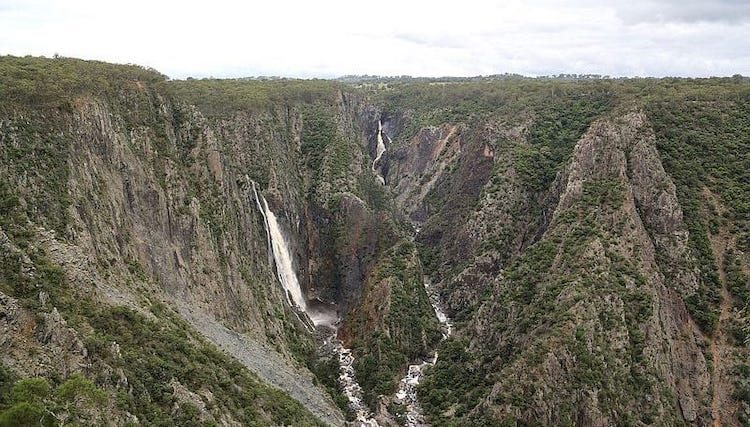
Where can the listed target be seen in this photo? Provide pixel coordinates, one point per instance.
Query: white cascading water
(324, 316)
(407, 391)
(284, 267)
(352, 390)
(263, 214)
(317, 313)
(379, 152)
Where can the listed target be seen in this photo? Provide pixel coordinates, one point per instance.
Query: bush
(26, 414)
(33, 390)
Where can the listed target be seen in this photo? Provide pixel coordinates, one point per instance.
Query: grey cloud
(685, 11)
(614, 37)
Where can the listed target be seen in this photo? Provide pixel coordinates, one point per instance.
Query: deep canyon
(381, 251)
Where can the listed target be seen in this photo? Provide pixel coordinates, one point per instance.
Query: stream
(317, 315)
(407, 391)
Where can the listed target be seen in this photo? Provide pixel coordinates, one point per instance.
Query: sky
(304, 38)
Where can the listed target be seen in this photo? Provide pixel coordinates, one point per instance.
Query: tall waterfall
(379, 152)
(284, 266)
(265, 219)
(319, 314)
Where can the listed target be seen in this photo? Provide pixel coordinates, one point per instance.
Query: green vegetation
(328, 154)
(326, 371)
(738, 285)
(435, 103)
(318, 131)
(157, 350)
(219, 97)
(556, 129)
(457, 382)
(702, 135)
(34, 402)
(42, 159)
(741, 374)
(550, 293)
(567, 285)
(42, 82)
(737, 281)
(556, 115)
(705, 144)
(154, 353)
(396, 326)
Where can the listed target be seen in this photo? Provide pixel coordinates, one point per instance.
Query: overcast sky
(306, 38)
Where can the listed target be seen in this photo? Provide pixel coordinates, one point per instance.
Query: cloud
(685, 11)
(224, 38)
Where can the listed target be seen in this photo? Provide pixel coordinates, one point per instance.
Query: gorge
(399, 251)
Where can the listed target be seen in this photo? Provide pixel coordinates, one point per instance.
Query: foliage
(457, 382)
(54, 82)
(157, 352)
(327, 152)
(399, 320)
(30, 390)
(556, 115)
(702, 134)
(326, 371)
(318, 131)
(33, 402)
(738, 282)
(547, 298)
(741, 393)
(556, 129)
(218, 97)
(706, 144)
(42, 161)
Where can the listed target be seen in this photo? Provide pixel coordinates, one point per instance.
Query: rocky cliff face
(600, 276)
(148, 208)
(138, 201)
(583, 321)
(595, 277)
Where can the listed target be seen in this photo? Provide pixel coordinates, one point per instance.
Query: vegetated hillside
(125, 204)
(589, 237)
(119, 212)
(580, 232)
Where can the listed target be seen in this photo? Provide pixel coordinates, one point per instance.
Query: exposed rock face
(160, 211)
(416, 167)
(585, 326)
(440, 177)
(623, 150)
(156, 206)
(56, 348)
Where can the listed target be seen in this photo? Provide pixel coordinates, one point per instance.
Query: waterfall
(379, 152)
(284, 266)
(265, 219)
(314, 311)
